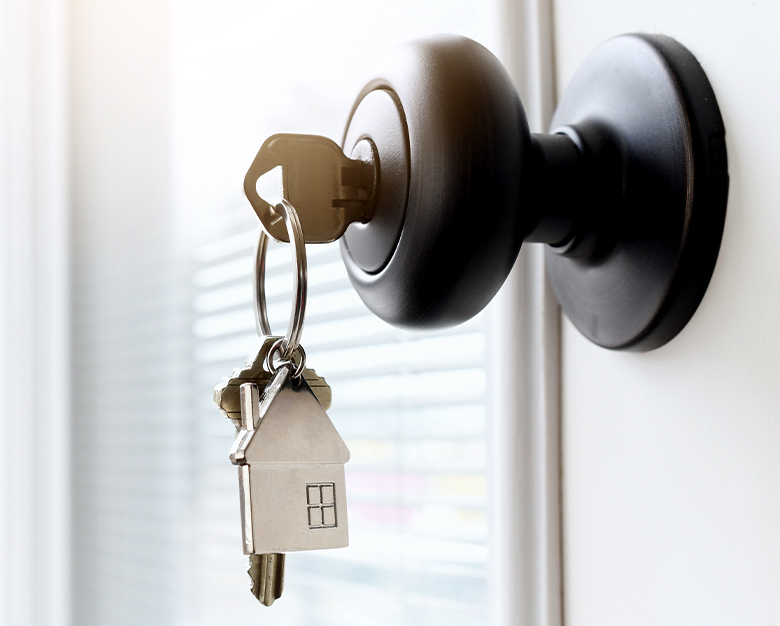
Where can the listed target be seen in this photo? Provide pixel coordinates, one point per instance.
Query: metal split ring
(291, 343)
(295, 366)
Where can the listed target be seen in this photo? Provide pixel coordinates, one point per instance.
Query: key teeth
(266, 571)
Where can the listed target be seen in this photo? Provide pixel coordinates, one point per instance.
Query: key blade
(266, 572)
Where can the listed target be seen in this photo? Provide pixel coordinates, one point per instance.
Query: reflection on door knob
(629, 189)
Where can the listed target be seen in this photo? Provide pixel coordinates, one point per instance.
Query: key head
(328, 190)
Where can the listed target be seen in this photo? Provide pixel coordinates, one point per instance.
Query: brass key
(227, 395)
(267, 574)
(328, 189)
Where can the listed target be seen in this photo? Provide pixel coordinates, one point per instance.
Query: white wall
(130, 318)
(34, 485)
(671, 471)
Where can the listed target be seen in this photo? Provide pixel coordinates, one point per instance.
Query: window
(411, 407)
(162, 310)
(321, 501)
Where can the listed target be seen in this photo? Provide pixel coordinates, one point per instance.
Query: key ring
(290, 344)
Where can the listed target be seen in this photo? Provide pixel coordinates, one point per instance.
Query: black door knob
(629, 189)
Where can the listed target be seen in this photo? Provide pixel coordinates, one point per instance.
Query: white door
(671, 471)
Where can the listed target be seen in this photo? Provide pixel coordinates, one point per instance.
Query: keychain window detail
(321, 501)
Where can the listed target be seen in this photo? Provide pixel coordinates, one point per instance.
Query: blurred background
(162, 243)
(143, 279)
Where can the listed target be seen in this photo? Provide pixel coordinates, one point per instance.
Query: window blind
(161, 305)
(411, 407)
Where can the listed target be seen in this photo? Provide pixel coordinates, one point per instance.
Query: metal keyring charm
(291, 341)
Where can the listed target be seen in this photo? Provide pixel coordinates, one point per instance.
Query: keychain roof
(290, 427)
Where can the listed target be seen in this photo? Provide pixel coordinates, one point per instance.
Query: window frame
(35, 581)
(35, 323)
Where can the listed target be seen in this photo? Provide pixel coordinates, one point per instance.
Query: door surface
(671, 471)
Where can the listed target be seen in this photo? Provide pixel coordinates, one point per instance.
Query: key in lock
(328, 189)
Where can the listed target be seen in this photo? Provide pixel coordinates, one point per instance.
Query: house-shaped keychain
(291, 469)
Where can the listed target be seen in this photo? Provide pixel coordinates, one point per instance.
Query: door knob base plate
(646, 121)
